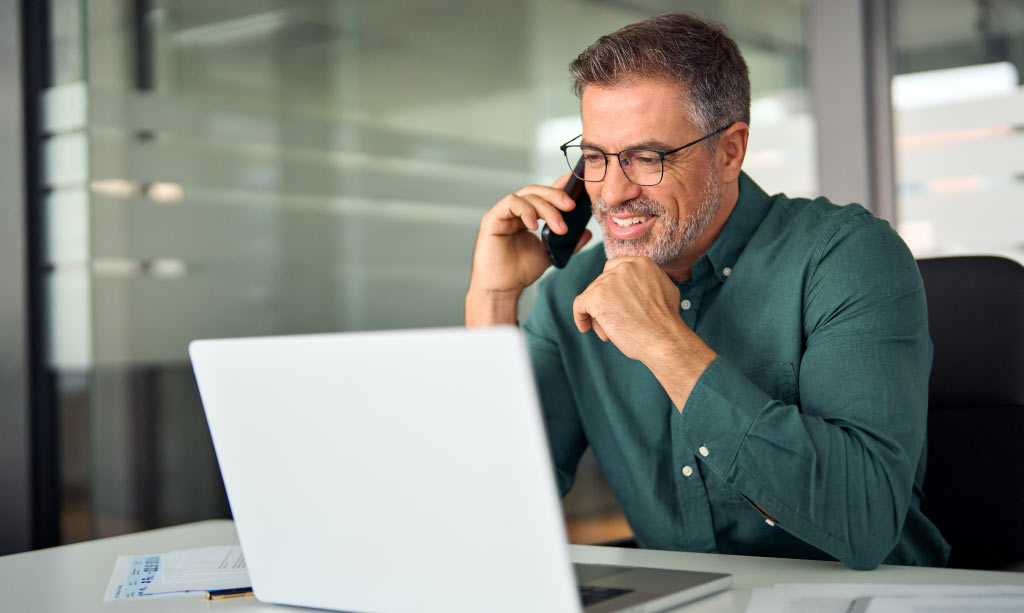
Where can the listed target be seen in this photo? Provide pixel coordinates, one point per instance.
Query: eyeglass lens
(641, 167)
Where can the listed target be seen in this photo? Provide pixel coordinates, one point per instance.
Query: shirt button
(687, 471)
(685, 305)
(726, 271)
(703, 451)
(768, 521)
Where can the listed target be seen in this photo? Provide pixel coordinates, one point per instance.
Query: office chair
(974, 482)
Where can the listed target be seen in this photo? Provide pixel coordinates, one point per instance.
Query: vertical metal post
(29, 474)
(142, 45)
(851, 65)
(880, 19)
(15, 400)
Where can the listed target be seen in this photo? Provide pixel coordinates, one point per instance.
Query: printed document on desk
(177, 573)
(881, 598)
(986, 603)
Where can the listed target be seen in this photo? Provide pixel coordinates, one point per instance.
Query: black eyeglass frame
(662, 154)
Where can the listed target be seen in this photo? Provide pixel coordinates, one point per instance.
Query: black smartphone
(560, 246)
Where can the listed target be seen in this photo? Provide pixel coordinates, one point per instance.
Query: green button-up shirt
(815, 409)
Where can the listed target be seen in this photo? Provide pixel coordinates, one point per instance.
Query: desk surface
(74, 577)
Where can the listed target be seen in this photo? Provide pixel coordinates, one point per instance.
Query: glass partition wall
(218, 168)
(958, 107)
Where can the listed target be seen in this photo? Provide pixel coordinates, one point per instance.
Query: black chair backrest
(974, 483)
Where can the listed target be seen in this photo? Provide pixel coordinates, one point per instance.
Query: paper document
(939, 604)
(882, 598)
(177, 573)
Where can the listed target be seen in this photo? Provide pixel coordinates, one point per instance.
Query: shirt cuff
(718, 414)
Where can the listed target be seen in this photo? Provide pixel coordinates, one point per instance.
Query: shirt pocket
(778, 380)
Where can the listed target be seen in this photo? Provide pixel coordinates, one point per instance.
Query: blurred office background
(206, 168)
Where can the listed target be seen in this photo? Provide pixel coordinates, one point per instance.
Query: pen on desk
(236, 592)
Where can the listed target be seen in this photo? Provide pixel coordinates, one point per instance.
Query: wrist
(678, 360)
(491, 308)
(670, 349)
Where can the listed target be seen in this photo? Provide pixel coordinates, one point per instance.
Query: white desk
(74, 577)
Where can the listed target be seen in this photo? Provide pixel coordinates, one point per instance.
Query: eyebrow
(655, 145)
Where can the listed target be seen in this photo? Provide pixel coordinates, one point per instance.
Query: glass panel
(271, 166)
(959, 106)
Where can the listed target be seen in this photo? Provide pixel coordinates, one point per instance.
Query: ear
(732, 148)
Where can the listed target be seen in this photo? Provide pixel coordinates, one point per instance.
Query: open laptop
(403, 471)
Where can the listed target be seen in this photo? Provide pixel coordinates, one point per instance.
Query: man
(750, 370)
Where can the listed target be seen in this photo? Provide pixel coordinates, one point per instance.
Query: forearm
(831, 474)
(491, 308)
(828, 475)
(678, 360)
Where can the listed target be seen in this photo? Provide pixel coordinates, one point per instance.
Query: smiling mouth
(625, 222)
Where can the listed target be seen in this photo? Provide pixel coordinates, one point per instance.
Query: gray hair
(677, 48)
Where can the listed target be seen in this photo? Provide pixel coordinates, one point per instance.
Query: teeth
(629, 221)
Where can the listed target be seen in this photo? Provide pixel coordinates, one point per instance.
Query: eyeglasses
(641, 166)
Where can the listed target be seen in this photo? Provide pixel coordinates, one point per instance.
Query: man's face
(666, 221)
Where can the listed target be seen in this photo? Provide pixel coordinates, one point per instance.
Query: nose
(616, 188)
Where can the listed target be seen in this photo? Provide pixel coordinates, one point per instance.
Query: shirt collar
(751, 208)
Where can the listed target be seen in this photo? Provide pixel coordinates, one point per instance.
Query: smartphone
(560, 246)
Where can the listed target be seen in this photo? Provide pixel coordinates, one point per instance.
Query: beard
(675, 235)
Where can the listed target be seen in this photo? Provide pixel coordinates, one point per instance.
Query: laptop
(403, 471)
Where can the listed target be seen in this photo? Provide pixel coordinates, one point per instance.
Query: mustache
(637, 206)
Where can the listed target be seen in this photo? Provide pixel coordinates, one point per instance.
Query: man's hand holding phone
(508, 257)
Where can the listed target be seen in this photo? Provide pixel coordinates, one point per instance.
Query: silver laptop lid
(388, 471)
